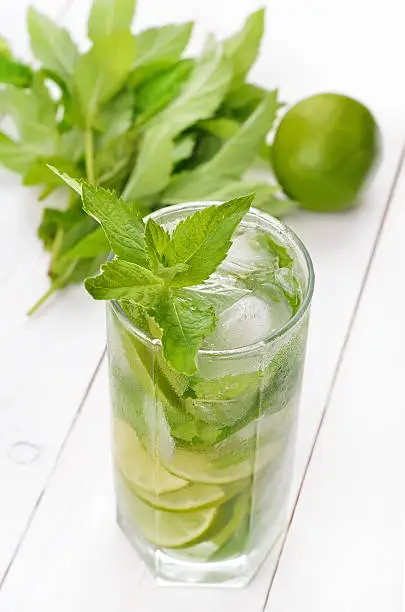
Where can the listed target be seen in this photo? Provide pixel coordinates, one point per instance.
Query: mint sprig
(152, 269)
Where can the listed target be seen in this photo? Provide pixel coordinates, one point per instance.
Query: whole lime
(323, 151)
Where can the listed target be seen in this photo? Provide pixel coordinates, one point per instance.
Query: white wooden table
(59, 546)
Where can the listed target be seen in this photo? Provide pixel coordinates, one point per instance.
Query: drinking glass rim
(248, 348)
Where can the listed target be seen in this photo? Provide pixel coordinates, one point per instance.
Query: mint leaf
(54, 220)
(51, 44)
(35, 119)
(275, 278)
(100, 73)
(90, 246)
(114, 160)
(76, 271)
(225, 388)
(243, 47)
(183, 149)
(221, 190)
(278, 253)
(74, 232)
(202, 240)
(109, 16)
(222, 127)
(234, 189)
(186, 320)
(201, 94)
(232, 160)
(121, 223)
(137, 315)
(166, 43)
(71, 145)
(153, 167)
(156, 239)
(34, 115)
(266, 196)
(69, 180)
(283, 372)
(15, 156)
(246, 95)
(185, 430)
(168, 273)
(14, 73)
(290, 286)
(225, 401)
(39, 172)
(114, 119)
(121, 279)
(157, 92)
(4, 48)
(240, 103)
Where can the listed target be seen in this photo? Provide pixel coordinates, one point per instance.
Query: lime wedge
(138, 467)
(162, 528)
(192, 497)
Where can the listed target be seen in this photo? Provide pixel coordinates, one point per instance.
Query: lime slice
(228, 519)
(165, 529)
(195, 496)
(192, 497)
(238, 456)
(199, 467)
(138, 467)
(218, 468)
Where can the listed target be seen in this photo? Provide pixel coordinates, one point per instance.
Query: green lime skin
(324, 150)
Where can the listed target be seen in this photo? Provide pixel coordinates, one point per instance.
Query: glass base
(169, 570)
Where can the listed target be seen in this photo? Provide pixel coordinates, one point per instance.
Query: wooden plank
(47, 361)
(345, 549)
(92, 564)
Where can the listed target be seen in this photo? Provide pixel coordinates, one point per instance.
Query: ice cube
(221, 290)
(247, 321)
(244, 254)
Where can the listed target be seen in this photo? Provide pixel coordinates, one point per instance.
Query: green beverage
(203, 457)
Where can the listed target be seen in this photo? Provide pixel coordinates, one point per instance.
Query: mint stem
(57, 243)
(89, 149)
(42, 299)
(59, 283)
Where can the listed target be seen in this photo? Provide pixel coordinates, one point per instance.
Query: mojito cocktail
(203, 453)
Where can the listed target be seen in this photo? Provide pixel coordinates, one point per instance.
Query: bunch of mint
(132, 114)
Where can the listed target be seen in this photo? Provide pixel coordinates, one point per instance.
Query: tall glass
(203, 464)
